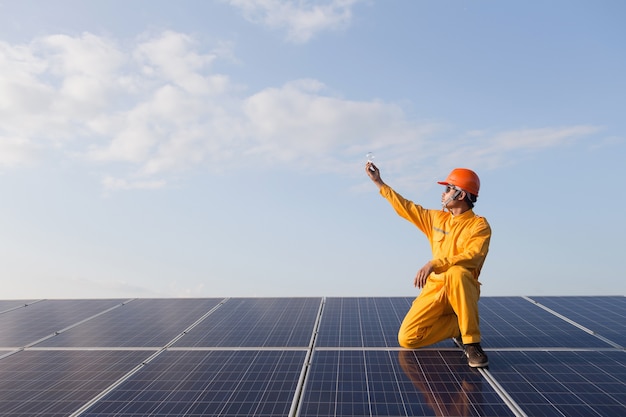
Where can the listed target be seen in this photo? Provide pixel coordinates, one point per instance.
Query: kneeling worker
(447, 306)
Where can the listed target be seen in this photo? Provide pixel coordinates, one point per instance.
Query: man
(447, 306)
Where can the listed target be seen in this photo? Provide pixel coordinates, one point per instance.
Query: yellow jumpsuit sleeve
(408, 210)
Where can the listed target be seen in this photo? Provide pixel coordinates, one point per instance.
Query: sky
(216, 148)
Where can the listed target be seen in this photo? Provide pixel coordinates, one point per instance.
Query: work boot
(476, 357)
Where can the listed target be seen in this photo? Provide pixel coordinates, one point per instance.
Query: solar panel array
(549, 356)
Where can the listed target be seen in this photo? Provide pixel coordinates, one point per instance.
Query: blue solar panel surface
(56, 383)
(200, 383)
(257, 322)
(363, 322)
(6, 305)
(35, 321)
(568, 383)
(397, 383)
(511, 322)
(145, 323)
(360, 322)
(549, 356)
(605, 316)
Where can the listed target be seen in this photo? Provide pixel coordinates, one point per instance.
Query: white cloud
(23, 92)
(16, 152)
(302, 19)
(539, 138)
(85, 71)
(299, 123)
(495, 149)
(88, 55)
(52, 85)
(157, 108)
(173, 57)
(114, 184)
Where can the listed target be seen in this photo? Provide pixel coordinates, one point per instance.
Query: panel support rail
(295, 403)
(510, 402)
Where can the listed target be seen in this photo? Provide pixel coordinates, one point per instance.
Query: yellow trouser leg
(463, 292)
(446, 306)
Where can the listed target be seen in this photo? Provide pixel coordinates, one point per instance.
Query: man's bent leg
(463, 292)
(430, 318)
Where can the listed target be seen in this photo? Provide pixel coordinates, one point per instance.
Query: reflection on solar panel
(560, 356)
(398, 383)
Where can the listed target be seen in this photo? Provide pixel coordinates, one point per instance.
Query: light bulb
(370, 160)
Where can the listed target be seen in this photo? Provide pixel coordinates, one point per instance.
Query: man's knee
(410, 340)
(404, 340)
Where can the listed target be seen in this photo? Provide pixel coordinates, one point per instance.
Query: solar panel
(35, 321)
(55, 383)
(7, 305)
(198, 383)
(605, 316)
(144, 323)
(568, 383)
(306, 357)
(257, 322)
(397, 383)
(513, 322)
(361, 322)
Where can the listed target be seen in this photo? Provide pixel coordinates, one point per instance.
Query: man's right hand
(422, 275)
(374, 173)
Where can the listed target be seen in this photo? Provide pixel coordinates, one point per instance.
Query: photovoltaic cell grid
(574, 383)
(397, 383)
(203, 383)
(362, 322)
(257, 322)
(603, 315)
(56, 383)
(22, 326)
(557, 369)
(144, 323)
(511, 322)
(6, 305)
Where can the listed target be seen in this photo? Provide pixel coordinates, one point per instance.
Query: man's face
(447, 197)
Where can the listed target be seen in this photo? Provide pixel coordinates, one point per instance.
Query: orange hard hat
(464, 178)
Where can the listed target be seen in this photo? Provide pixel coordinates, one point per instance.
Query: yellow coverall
(447, 306)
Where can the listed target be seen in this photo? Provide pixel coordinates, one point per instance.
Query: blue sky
(216, 148)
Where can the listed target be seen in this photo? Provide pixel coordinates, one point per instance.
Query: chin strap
(444, 204)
